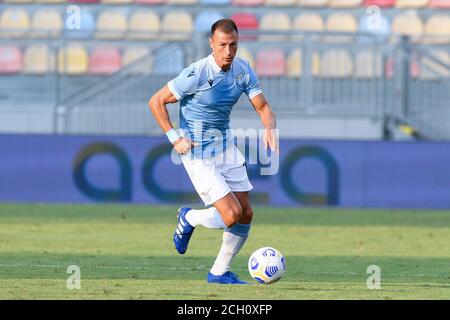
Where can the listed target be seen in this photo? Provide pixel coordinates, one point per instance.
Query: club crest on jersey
(240, 75)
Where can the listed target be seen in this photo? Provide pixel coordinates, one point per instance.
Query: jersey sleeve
(185, 83)
(252, 88)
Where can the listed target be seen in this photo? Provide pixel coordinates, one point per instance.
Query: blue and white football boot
(226, 278)
(183, 232)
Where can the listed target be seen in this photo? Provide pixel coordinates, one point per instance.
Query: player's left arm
(268, 120)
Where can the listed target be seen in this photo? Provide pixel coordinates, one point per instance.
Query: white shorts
(213, 178)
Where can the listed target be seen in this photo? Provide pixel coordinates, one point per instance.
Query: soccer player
(207, 90)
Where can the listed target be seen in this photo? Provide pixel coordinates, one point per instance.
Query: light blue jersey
(207, 95)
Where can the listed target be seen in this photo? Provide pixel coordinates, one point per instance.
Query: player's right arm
(158, 107)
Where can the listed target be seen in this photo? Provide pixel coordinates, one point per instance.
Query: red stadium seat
(445, 4)
(10, 59)
(104, 60)
(379, 3)
(248, 3)
(270, 63)
(414, 67)
(246, 22)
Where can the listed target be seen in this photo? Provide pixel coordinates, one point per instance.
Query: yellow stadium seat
(38, 59)
(177, 25)
(135, 53)
(430, 70)
(341, 22)
(46, 23)
(73, 60)
(245, 54)
(345, 3)
(403, 4)
(182, 2)
(336, 63)
(273, 22)
(111, 24)
(368, 64)
(117, 1)
(143, 25)
(308, 22)
(281, 3)
(408, 23)
(51, 1)
(14, 22)
(437, 29)
(294, 64)
(313, 3)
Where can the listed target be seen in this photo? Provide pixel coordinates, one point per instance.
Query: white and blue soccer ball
(267, 265)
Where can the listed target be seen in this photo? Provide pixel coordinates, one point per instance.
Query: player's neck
(224, 68)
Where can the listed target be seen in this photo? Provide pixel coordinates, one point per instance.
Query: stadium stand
(437, 29)
(341, 22)
(150, 2)
(214, 2)
(313, 3)
(430, 70)
(411, 4)
(368, 64)
(294, 64)
(246, 54)
(408, 23)
(274, 22)
(379, 3)
(135, 53)
(344, 3)
(116, 1)
(205, 19)
(442, 4)
(308, 22)
(336, 63)
(246, 22)
(280, 3)
(83, 28)
(247, 3)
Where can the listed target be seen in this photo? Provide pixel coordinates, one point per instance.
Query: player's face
(224, 46)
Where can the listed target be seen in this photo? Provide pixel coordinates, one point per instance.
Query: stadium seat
(246, 22)
(177, 25)
(85, 1)
(430, 70)
(368, 64)
(437, 29)
(245, 54)
(182, 2)
(214, 2)
(18, 1)
(111, 24)
(344, 3)
(405, 4)
(379, 3)
(295, 64)
(168, 61)
(336, 63)
(14, 22)
(86, 26)
(274, 22)
(280, 3)
(38, 59)
(143, 24)
(150, 2)
(104, 60)
(205, 19)
(414, 67)
(308, 22)
(270, 63)
(135, 53)
(380, 28)
(340, 22)
(408, 23)
(73, 60)
(313, 3)
(10, 60)
(247, 3)
(46, 23)
(51, 1)
(443, 4)
(116, 1)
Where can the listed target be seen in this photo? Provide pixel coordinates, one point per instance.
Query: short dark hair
(225, 25)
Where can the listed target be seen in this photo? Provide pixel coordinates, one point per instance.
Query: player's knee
(232, 216)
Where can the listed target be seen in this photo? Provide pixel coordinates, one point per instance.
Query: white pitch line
(98, 267)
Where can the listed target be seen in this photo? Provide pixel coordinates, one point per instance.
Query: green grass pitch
(126, 252)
